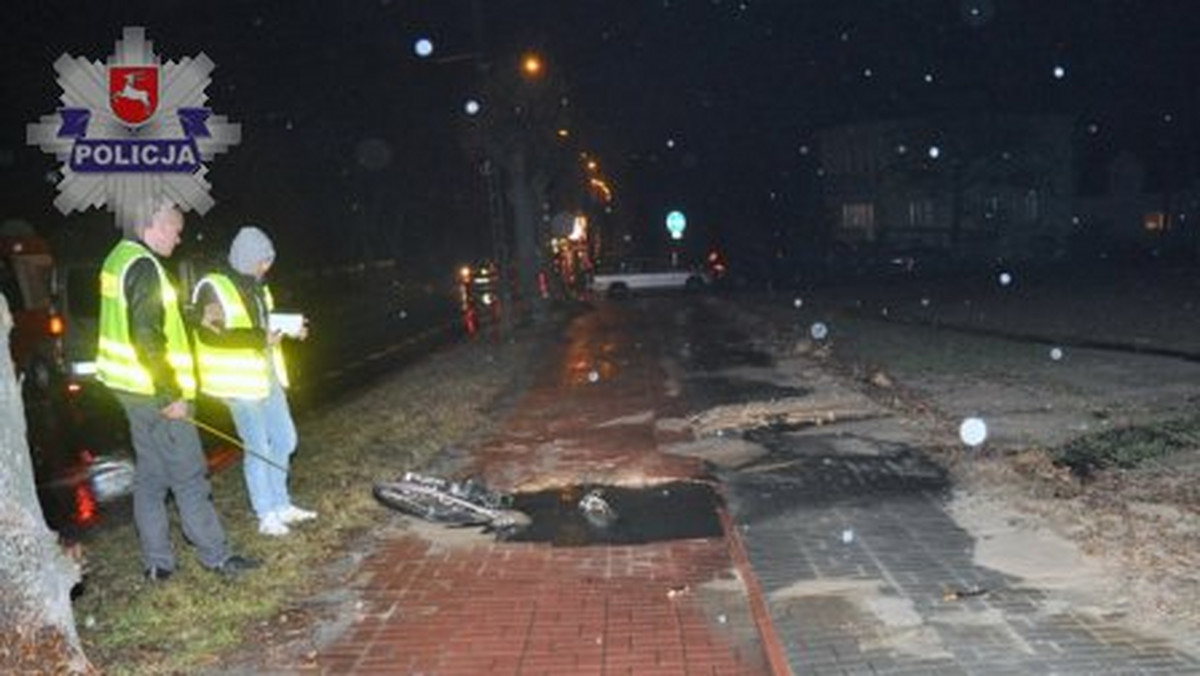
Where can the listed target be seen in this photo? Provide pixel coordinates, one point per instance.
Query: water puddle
(579, 515)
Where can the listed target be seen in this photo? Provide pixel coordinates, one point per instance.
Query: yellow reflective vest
(236, 373)
(117, 364)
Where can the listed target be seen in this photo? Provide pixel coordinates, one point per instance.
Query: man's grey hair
(136, 218)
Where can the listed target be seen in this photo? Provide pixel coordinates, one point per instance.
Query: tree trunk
(37, 625)
(525, 228)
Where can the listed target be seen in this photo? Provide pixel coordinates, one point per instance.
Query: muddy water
(674, 511)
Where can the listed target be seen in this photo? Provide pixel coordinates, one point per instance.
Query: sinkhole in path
(585, 514)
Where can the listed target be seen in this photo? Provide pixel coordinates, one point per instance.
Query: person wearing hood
(240, 361)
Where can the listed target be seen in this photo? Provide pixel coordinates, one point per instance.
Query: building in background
(962, 187)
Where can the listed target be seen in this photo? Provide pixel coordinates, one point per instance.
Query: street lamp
(531, 65)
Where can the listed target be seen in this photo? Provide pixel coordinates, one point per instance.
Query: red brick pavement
(520, 608)
(487, 607)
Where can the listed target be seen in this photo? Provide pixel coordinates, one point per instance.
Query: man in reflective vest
(241, 362)
(144, 356)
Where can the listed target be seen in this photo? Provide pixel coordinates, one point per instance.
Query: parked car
(622, 278)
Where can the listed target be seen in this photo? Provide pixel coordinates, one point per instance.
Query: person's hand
(303, 333)
(214, 317)
(176, 410)
(274, 338)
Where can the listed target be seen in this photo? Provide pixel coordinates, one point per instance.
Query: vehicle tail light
(56, 326)
(85, 505)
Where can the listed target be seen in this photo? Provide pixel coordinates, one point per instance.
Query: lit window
(1154, 221)
(858, 220)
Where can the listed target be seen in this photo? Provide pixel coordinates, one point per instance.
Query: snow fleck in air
(471, 107)
(1056, 353)
(924, 302)
(1005, 279)
(373, 154)
(847, 536)
(1059, 72)
(593, 376)
(934, 152)
(423, 47)
(973, 431)
(818, 331)
(798, 303)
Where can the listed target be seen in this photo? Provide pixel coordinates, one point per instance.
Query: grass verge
(1129, 447)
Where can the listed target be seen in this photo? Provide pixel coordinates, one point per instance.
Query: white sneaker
(273, 525)
(294, 514)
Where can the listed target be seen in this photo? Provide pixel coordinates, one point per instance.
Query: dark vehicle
(26, 267)
(75, 467)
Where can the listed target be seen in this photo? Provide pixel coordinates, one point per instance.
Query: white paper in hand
(287, 323)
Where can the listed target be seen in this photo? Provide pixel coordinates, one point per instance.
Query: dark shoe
(236, 565)
(156, 574)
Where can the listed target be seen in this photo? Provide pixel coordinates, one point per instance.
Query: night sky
(352, 144)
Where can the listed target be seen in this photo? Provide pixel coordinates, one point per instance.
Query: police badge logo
(146, 137)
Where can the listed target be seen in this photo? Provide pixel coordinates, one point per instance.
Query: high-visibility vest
(117, 364)
(236, 373)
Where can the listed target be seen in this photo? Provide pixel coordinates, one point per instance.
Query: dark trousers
(170, 460)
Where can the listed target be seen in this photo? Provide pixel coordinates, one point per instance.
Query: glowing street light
(531, 65)
(601, 187)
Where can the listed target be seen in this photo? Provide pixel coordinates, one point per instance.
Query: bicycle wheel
(428, 504)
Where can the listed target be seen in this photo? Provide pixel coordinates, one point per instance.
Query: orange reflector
(85, 506)
(56, 326)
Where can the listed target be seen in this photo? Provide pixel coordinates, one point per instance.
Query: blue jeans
(269, 437)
